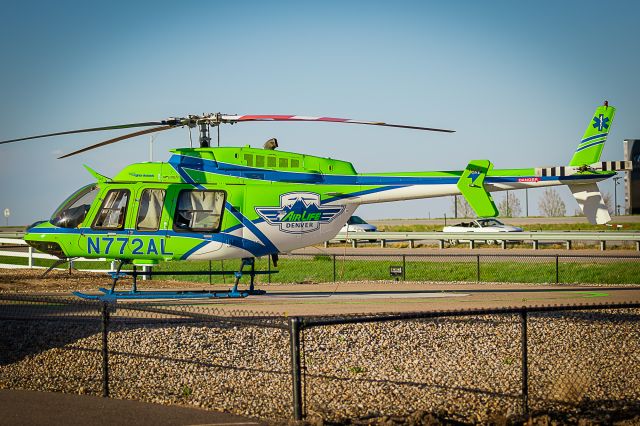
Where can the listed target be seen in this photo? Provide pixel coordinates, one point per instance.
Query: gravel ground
(582, 365)
(461, 369)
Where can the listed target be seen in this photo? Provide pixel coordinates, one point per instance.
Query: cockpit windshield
(74, 209)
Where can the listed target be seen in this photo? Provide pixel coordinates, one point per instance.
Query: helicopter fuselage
(231, 202)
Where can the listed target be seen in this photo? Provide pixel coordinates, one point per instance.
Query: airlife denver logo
(299, 212)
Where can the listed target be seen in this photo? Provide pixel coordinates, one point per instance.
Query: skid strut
(134, 293)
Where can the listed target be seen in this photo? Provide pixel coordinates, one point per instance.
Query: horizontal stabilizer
(605, 166)
(591, 203)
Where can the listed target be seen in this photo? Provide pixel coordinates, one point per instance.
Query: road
(526, 221)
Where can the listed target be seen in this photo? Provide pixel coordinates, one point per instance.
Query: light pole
(616, 179)
(508, 212)
(455, 206)
(152, 138)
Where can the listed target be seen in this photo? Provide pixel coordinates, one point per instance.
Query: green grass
(313, 269)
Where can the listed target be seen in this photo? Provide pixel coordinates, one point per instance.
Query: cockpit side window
(199, 211)
(113, 210)
(150, 209)
(74, 209)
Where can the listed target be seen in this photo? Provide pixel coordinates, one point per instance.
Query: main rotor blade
(118, 139)
(245, 118)
(93, 129)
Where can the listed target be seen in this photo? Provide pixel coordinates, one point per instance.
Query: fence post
(557, 270)
(269, 274)
(30, 257)
(478, 268)
(294, 334)
(334, 268)
(525, 361)
(404, 267)
(147, 268)
(105, 350)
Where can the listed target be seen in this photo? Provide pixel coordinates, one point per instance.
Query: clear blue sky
(517, 80)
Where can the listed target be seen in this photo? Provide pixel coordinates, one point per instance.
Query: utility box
(632, 178)
(396, 272)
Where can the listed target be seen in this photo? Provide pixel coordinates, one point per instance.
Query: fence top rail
(64, 299)
(279, 321)
(468, 255)
(308, 322)
(239, 317)
(251, 318)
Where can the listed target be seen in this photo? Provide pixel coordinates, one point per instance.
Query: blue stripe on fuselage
(390, 182)
(254, 248)
(251, 226)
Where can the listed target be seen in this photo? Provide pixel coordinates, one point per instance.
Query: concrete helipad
(371, 297)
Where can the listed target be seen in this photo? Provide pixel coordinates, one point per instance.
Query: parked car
(356, 224)
(481, 225)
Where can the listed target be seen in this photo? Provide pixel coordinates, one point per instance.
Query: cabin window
(249, 159)
(150, 209)
(295, 163)
(259, 160)
(271, 161)
(113, 210)
(199, 211)
(284, 162)
(74, 209)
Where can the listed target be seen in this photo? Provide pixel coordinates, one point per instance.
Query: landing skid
(135, 294)
(187, 294)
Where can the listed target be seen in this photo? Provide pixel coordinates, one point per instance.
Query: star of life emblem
(601, 122)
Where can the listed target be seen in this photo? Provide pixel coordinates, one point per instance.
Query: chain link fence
(456, 267)
(487, 366)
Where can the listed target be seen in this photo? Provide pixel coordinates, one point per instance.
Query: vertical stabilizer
(590, 201)
(592, 142)
(471, 185)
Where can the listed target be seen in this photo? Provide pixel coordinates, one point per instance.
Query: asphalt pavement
(21, 407)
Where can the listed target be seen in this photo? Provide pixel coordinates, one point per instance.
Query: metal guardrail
(12, 234)
(31, 253)
(503, 238)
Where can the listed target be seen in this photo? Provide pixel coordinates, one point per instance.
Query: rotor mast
(205, 139)
(205, 122)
